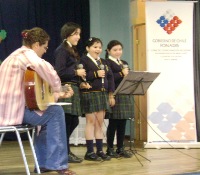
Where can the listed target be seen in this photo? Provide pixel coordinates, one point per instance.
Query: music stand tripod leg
(131, 135)
(131, 144)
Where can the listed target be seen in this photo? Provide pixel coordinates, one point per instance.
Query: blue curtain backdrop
(17, 15)
(50, 15)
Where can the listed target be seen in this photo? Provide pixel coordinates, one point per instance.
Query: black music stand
(136, 83)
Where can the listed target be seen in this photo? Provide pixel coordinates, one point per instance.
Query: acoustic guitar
(38, 93)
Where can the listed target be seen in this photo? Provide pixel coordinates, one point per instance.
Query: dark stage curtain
(197, 65)
(50, 15)
(17, 15)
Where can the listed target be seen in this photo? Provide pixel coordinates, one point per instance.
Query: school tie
(119, 63)
(98, 62)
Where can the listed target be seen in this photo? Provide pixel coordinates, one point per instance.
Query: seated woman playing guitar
(50, 142)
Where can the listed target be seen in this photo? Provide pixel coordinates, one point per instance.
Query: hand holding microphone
(81, 72)
(125, 70)
(101, 72)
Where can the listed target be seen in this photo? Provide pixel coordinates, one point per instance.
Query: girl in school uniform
(123, 109)
(67, 66)
(96, 100)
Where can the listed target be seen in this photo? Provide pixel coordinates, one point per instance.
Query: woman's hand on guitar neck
(66, 92)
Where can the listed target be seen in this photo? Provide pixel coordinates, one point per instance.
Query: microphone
(125, 66)
(80, 66)
(102, 68)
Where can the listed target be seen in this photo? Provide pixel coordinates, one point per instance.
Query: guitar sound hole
(50, 90)
(43, 89)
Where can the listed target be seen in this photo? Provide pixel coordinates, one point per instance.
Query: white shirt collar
(69, 43)
(95, 61)
(114, 59)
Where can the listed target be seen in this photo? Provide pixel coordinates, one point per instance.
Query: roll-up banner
(170, 99)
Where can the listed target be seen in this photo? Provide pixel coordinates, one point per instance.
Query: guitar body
(38, 93)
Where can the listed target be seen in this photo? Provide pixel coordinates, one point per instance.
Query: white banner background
(171, 115)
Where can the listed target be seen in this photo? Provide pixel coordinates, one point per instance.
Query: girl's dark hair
(111, 44)
(91, 41)
(67, 30)
(34, 35)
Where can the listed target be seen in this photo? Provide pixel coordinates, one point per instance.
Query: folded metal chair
(21, 129)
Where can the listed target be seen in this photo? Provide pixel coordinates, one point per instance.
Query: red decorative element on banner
(169, 22)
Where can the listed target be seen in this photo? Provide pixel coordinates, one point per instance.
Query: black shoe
(72, 158)
(92, 157)
(75, 156)
(123, 153)
(110, 152)
(42, 170)
(64, 171)
(103, 156)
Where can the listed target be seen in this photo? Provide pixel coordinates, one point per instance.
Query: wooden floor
(160, 162)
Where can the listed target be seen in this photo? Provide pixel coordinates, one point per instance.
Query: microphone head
(125, 66)
(80, 66)
(101, 67)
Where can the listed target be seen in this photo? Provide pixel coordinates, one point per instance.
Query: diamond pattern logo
(175, 126)
(169, 21)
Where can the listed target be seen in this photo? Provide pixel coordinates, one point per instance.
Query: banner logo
(169, 21)
(170, 122)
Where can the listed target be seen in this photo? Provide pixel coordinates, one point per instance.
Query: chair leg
(33, 134)
(22, 151)
(33, 152)
(1, 138)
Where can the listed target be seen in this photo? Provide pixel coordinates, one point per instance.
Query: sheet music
(59, 103)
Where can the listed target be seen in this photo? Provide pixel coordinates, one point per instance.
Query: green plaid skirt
(94, 102)
(123, 109)
(75, 108)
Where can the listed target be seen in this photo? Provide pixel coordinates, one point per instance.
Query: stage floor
(144, 162)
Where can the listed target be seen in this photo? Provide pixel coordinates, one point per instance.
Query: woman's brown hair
(34, 35)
